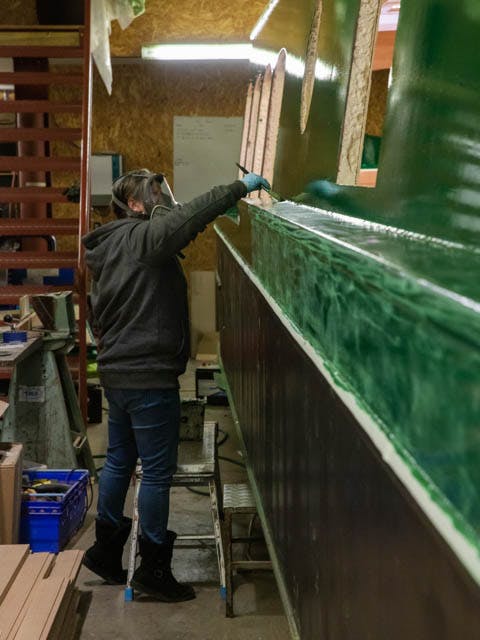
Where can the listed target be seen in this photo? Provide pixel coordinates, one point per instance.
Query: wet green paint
(387, 294)
(380, 308)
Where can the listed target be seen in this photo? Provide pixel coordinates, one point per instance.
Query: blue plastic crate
(46, 524)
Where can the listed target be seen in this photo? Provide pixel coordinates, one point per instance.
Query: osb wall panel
(184, 20)
(137, 119)
(377, 102)
(65, 179)
(18, 12)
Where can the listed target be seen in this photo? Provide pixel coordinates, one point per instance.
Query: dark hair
(130, 185)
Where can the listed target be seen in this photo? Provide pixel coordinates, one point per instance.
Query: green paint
(378, 307)
(313, 154)
(390, 296)
(430, 165)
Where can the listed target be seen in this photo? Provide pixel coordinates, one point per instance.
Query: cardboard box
(11, 459)
(207, 387)
(202, 306)
(208, 348)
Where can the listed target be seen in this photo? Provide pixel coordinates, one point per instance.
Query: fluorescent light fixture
(263, 19)
(240, 51)
(294, 65)
(263, 57)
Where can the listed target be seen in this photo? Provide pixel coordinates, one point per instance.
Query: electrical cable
(237, 462)
(224, 439)
(200, 493)
(90, 502)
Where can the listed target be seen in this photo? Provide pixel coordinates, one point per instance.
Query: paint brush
(274, 195)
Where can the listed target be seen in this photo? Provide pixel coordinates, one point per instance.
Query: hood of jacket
(97, 241)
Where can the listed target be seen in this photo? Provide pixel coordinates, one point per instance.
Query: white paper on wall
(205, 150)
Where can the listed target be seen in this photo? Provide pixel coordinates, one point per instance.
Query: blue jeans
(142, 423)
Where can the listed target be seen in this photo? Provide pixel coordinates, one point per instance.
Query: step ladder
(44, 151)
(197, 467)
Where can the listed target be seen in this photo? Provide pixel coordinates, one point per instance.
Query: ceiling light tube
(227, 51)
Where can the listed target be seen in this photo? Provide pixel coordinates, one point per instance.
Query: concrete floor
(258, 609)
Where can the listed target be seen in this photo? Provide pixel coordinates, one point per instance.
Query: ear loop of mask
(170, 195)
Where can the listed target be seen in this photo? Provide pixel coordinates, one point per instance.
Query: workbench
(43, 411)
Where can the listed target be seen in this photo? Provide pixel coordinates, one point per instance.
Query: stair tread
(30, 194)
(40, 77)
(12, 134)
(10, 294)
(34, 106)
(39, 51)
(39, 163)
(38, 259)
(46, 226)
(42, 27)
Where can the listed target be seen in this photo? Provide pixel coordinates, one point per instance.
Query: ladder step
(35, 51)
(37, 163)
(11, 294)
(38, 259)
(46, 133)
(40, 77)
(32, 28)
(30, 194)
(37, 226)
(38, 106)
(44, 37)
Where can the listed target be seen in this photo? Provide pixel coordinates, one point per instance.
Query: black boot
(105, 557)
(154, 575)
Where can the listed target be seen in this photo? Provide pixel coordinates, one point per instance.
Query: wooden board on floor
(67, 564)
(15, 603)
(43, 607)
(40, 600)
(12, 557)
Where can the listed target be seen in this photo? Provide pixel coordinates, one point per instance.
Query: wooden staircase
(50, 132)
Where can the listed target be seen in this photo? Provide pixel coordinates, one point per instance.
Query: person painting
(139, 303)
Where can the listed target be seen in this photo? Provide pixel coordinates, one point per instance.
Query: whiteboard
(205, 150)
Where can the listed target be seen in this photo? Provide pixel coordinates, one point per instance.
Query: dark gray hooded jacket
(139, 291)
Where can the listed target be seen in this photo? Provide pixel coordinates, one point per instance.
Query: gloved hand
(253, 182)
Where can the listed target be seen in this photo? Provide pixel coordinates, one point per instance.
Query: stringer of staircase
(51, 134)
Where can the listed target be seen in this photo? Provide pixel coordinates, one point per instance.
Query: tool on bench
(12, 336)
(44, 486)
(43, 412)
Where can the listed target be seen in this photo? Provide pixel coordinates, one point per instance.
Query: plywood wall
(18, 12)
(137, 119)
(378, 102)
(206, 20)
(187, 21)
